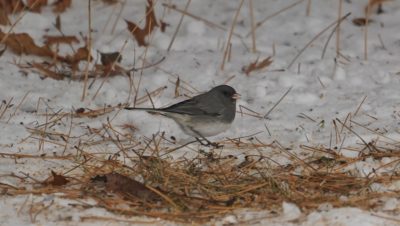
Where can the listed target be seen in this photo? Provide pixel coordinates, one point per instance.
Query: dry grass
(141, 178)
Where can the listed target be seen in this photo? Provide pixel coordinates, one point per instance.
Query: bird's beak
(236, 96)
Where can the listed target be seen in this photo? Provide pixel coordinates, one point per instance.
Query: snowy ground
(322, 90)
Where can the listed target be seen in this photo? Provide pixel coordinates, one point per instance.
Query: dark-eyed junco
(205, 115)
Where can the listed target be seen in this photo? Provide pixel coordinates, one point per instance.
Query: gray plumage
(205, 115)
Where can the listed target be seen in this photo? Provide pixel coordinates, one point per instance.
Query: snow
(320, 89)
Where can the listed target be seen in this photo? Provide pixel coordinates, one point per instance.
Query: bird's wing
(194, 106)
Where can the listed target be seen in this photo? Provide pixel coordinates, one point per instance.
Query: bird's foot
(208, 143)
(215, 145)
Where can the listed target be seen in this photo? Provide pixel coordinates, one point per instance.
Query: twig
(308, 8)
(228, 42)
(89, 48)
(352, 131)
(359, 106)
(338, 29)
(18, 106)
(273, 15)
(276, 104)
(366, 32)
(253, 28)
(119, 16)
(207, 22)
(18, 20)
(315, 37)
(179, 25)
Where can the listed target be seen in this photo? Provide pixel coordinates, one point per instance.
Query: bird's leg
(201, 142)
(208, 143)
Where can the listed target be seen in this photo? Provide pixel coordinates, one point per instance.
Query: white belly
(206, 127)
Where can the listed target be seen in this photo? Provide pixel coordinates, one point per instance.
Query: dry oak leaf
(3, 17)
(61, 5)
(36, 5)
(12, 6)
(374, 3)
(81, 54)
(127, 187)
(256, 65)
(22, 43)
(151, 23)
(360, 22)
(110, 58)
(56, 180)
(51, 40)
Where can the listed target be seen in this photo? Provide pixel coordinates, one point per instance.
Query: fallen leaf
(127, 187)
(12, 6)
(51, 40)
(58, 22)
(3, 17)
(110, 58)
(110, 2)
(61, 5)
(177, 83)
(56, 180)
(256, 65)
(8, 7)
(361, 21)
(2, 51)
(22, 43)
(36, 5)
(80, 55)
(80, 110)
(372, 4)
(163, 25)
(151, 23)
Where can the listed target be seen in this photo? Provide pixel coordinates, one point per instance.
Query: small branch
(230, 35)
(253, 27)
(276, 104)
(316, 37)
(179, 25)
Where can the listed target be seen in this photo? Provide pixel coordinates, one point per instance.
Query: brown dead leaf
(3, 17)
(61, 5)
(372, 4)
(163, 25)
(7, 7)
(110, 58)
(177, 83)
(12, 6)
(22, 43)
(56, 179)
(360, 22)
(82, 54)
(151, 23)
(110, 2)
(51, 40)
(2, 51)
(256, 65)
(36, 5)
(128, 187)
(58, 22)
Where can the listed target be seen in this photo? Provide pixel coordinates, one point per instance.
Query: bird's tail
(150, 110)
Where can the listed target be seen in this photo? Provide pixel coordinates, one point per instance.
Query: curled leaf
(257, 65)
(151, 22)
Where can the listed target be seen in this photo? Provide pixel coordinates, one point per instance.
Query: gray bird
(202, 116)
